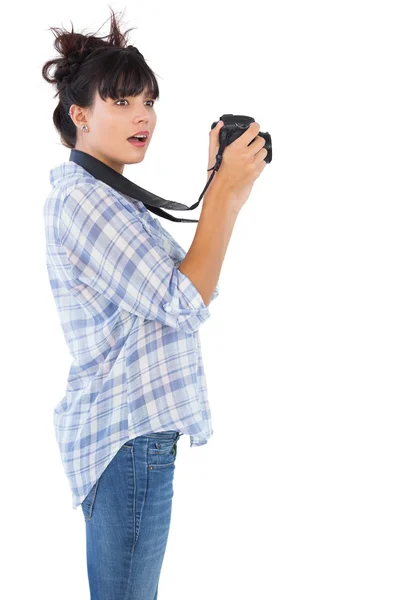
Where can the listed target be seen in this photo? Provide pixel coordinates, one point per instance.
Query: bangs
(124, 74)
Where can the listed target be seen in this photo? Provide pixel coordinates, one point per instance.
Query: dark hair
(90, 64)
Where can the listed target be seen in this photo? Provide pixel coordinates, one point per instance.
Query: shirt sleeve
(111, 251)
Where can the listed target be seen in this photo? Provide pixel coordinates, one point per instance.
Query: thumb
(215, 132)
(214, 144)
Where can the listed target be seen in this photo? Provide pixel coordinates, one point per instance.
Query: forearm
(203, 261)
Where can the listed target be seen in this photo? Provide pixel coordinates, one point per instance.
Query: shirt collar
(70, 172)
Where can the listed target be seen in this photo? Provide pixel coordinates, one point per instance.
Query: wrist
(219, 191)
(219, 205)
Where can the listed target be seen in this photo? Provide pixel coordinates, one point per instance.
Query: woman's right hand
(242, 164)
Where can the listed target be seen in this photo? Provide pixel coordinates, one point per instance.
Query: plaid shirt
(131, 321)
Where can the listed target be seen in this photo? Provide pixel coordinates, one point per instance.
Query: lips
(146, 133)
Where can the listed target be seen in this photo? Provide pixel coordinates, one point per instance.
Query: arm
(203, 261)
(111, 251)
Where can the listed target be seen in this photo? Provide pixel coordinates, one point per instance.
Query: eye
(124, 99)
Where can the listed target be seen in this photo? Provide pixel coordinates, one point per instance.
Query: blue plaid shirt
(131, 321)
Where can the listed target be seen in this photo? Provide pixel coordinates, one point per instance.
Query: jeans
(127, 516)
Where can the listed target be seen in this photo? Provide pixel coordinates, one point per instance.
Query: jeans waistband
(164, 434)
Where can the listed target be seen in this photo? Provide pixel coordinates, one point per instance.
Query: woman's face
(111, 123)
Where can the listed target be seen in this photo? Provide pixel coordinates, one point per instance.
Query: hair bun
(68, 67)
(74, 57)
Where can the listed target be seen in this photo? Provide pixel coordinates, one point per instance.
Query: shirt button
(167, 307)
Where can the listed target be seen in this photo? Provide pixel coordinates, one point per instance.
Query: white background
(297, 493)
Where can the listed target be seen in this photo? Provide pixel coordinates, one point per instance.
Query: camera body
(234, 126)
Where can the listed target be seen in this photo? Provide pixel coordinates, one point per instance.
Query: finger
(250, 133)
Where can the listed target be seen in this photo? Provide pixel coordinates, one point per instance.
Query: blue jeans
(127, 515)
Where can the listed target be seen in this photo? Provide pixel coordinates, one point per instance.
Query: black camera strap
(122, 184)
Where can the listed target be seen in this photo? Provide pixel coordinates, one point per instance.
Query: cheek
(111, 128)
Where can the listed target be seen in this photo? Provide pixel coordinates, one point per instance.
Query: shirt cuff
(187, 306)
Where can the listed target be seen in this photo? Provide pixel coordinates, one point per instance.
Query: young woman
(131, 302)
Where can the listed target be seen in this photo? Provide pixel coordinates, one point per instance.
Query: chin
(134, 161)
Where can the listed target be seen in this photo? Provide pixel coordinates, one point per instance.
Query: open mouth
(137, 139)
